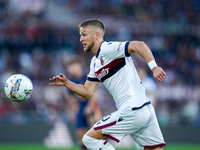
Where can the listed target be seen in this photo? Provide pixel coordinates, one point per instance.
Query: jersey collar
(99, 50)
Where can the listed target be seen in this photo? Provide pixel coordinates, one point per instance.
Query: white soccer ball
(18, 88)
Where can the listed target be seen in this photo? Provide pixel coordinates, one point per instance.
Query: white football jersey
(114, 67)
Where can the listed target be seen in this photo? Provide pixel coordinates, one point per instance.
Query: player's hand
(58, 80)
(158, 74)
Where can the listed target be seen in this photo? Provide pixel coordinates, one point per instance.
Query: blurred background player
(82, 113)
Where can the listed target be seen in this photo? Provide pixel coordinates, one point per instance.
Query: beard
(89, 48)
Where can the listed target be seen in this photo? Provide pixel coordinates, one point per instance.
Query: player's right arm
(87, 90)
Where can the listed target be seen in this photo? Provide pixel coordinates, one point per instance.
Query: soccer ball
(18, 88)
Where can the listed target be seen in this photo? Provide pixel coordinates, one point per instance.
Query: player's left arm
(142, 49)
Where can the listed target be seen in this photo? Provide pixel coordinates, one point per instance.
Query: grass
(42, 147)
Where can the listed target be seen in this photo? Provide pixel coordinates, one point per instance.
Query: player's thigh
(106, 122)
(97, 134)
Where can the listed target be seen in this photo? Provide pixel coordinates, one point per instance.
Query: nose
(81, 39)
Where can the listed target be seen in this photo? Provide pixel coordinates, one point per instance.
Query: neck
(96, 47)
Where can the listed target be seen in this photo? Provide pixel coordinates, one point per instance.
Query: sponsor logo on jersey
(110, 69)
(102, 74)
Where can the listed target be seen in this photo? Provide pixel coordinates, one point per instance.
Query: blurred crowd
(34, 45)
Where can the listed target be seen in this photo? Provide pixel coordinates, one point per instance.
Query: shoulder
(118, 48)
(110, 44)
(107, 47)
(115, 44)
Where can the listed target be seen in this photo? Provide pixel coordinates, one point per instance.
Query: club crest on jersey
(101, 60)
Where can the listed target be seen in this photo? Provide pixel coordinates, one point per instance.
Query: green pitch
(42, 147)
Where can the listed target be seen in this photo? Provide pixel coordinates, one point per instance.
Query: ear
(98, 35)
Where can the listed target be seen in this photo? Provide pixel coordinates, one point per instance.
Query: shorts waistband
(136, 108)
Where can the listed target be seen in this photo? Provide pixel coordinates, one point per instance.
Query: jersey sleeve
(117, 49)
(91, 76)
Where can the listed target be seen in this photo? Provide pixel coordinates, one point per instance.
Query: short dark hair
(93, 22)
